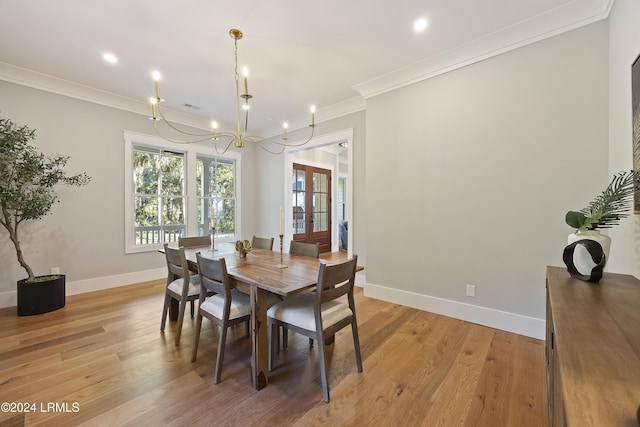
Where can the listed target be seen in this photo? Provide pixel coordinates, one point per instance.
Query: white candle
(281, 220)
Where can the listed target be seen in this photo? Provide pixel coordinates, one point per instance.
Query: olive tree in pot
(27, 192)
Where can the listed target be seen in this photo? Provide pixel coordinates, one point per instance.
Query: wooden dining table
(257, 275)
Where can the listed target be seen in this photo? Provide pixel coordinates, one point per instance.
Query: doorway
(292, 154)
(311, 205)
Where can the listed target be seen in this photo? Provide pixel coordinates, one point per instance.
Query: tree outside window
(215, 183)
(159, 195)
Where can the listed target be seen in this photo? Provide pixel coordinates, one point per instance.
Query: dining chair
(222, 304)
(181, 286)
(319, 315)
(262, 243)
(226, 307)
(189, 242)
(305, 249)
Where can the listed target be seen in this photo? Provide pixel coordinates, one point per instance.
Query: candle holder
(213, 233)
(281, 265)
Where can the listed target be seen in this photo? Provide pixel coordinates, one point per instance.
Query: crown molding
(540, 27)
(29, 78)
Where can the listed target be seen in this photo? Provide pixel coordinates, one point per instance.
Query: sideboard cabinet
(592, 350)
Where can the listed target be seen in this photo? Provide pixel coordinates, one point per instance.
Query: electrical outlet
(55, 270)
(471, 290)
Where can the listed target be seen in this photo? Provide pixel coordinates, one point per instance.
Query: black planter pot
(41, 297)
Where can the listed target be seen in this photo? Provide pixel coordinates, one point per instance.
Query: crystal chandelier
(226, 139)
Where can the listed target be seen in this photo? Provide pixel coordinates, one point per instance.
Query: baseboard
(9, 299)
(510, 322)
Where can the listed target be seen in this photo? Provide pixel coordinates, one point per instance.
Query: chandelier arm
(172, 126)
(215, 145)
(260, 145)
(177, 141)
(256, 139)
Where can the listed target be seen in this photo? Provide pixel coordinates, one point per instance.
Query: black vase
(41, 296)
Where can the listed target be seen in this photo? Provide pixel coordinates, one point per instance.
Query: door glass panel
(298, 199)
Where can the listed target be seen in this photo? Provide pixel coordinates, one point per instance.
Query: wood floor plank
(105, 352)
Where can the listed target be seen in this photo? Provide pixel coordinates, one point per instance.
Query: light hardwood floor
(103, 361)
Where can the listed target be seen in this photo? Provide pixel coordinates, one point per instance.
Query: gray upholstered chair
(189, 242)
(181, 286)
(305, 249)
(262, 243)
(319, 315)
(226, 307)
(222, 304)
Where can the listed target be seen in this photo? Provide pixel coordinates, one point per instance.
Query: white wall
(470, 174)
(85, 234)
(624, 47)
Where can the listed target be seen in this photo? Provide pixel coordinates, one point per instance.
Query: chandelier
(226, 139)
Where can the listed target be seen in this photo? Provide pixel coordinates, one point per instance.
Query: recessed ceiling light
(110, 58)
(420, 25)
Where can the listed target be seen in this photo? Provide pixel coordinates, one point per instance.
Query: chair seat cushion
(194, 286)
(240, 305)
(298, 311)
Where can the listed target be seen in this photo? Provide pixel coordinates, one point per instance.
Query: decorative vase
(605, 241)
(41, 296)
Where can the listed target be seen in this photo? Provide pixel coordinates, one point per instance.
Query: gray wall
(470, 173)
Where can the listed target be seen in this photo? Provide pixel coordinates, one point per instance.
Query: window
(174, 190)
(215, 180)
(159, 195)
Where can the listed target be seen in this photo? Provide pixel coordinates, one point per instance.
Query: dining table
(259, 273)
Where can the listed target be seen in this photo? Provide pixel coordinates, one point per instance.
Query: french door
(311, 199)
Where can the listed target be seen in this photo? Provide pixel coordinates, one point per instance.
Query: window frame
(191, 152)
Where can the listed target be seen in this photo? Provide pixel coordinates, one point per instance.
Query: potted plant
(605, 211)
(27, 192)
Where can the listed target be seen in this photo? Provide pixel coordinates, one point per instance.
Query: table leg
(259, 338)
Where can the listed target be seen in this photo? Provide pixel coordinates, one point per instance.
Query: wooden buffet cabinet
(592, 350)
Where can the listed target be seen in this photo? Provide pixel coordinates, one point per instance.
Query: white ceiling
(331, 53)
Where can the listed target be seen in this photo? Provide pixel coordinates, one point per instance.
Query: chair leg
(165, 311)
(285, 338)
(180, 319)
(274, 334)
(196, 340)
(220, 356)
(193, 303)
(247, 328)
(356, 344)
(323, 370)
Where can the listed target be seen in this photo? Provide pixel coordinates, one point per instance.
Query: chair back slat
(262, 243)
(189, 242)
(311, 250)
(336, 280)
(178, 267)
(213, 276)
